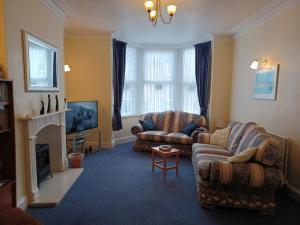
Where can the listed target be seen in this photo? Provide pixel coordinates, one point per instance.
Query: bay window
(158, 80)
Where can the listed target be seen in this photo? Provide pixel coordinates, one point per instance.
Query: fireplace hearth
(42, 163)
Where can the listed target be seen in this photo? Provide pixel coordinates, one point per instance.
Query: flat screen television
(81, 116)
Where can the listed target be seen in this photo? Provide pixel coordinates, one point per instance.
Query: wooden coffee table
(165, 155)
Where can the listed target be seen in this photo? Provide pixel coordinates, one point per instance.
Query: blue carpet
(118, 187)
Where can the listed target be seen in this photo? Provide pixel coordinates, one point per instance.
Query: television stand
(82, 137)
(78, 141)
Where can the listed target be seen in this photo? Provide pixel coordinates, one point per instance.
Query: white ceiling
(194, 20)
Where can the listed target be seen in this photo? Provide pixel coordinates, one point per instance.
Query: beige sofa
(250, 184)
(169, 124)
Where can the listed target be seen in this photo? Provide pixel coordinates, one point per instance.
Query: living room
(130, 64)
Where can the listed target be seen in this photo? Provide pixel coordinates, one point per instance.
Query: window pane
(159, 65)
(130, 91)
(190, 99)
(131, 64)
(158, 97)
(189, 65)
(39, 66)
(128, 101)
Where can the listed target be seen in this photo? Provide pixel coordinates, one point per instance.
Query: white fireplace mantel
(32, 126)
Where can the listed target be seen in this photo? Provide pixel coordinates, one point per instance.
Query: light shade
(152, 15)
(149, 5)
(254, 65)
(171, 9)
(67, 68)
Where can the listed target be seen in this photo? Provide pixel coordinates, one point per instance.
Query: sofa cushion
(189, 129)
(243, 156)
(210, 149)
(151, 135)
(161, 119)
(220, 137)
(181, 119)
(148, 124)
(178, 138)
(237, 132)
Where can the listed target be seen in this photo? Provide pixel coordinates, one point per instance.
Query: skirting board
(107, 145)
(293, 192)
(124, 140)
(104, 145)
(22, 203)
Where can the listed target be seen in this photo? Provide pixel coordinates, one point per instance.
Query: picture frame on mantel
(265, 83)
(40, 64)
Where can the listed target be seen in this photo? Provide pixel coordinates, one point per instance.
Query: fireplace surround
(52, 126)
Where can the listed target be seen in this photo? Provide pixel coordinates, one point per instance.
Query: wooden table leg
(165, 167)
(153, 158)
(177, 163)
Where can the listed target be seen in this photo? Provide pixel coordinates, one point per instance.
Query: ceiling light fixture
(154, 11)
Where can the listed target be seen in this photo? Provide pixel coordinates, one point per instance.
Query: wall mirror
(41, 64)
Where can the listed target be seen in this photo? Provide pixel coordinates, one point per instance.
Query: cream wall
(90, 77)
(3, 57)
(221, 80)
(279, 41)
(31, 16)
(125, 135)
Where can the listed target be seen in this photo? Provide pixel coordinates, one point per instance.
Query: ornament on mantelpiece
(42, 111)
(56, 103)
(49, 105)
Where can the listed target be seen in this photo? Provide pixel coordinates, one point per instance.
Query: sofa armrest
(137, 129)
(201, 137)
(253, 175)
(198, 131)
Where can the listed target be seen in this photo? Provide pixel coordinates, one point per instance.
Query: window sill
(131, 116)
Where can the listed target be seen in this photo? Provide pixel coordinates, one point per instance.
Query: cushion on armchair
(148, 124)
(243, 156)
(189, 128)
(220, 137)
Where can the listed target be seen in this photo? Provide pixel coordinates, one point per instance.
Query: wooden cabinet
(7, 146)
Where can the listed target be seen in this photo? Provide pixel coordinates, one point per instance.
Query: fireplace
(41, 129)
(43, 168)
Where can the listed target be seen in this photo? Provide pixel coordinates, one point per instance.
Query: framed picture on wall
(265, 83)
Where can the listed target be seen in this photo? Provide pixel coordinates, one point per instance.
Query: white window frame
(177, 81)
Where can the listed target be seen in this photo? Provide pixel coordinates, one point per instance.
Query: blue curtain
(119, 61)
(203, 72)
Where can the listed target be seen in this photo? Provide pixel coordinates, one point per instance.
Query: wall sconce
(67, 68)
(258, 63)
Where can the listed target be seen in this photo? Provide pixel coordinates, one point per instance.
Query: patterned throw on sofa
(250, 184)
(169, 124)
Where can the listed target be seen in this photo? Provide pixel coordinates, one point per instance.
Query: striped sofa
(169, 123)
(249, 185)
